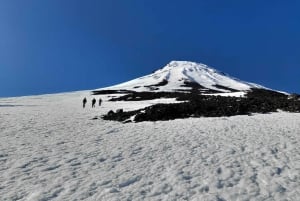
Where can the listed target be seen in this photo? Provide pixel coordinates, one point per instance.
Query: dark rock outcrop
(256, 101)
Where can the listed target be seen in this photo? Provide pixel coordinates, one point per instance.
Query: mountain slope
(51, 149)
(200, 91)
(183, 76)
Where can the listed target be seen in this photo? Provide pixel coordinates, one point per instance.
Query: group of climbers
(84, 101)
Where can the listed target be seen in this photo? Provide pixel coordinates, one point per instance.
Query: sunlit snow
(51, 149)
(176, 73)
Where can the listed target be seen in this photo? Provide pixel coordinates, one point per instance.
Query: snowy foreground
(51, 149)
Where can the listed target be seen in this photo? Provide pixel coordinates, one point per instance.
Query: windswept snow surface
(177, 73)
(51, 149)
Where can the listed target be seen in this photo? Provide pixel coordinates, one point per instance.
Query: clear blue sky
(65, 45)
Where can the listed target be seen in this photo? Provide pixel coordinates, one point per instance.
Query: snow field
(51, 149)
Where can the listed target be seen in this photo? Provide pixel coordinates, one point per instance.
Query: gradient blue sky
(54, 46)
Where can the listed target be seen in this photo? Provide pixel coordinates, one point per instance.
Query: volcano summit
(183, 76)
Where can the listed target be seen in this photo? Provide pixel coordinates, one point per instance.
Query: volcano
(53, 149)
(185, 76)
(198, 91)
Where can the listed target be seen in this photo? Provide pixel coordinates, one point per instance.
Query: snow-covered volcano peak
(185, 65)
(184, 76)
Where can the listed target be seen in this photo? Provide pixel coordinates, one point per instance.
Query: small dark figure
(100, 101)
(119, 111)
(84, 102)
(93, 102)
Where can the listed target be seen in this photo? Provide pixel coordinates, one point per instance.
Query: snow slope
(51, 149)
(177, 73)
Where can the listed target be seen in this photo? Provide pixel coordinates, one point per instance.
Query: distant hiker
(93, 102)
(84, 102)
(100, 101)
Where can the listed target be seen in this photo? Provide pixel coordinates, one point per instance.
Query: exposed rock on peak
(185, 76)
